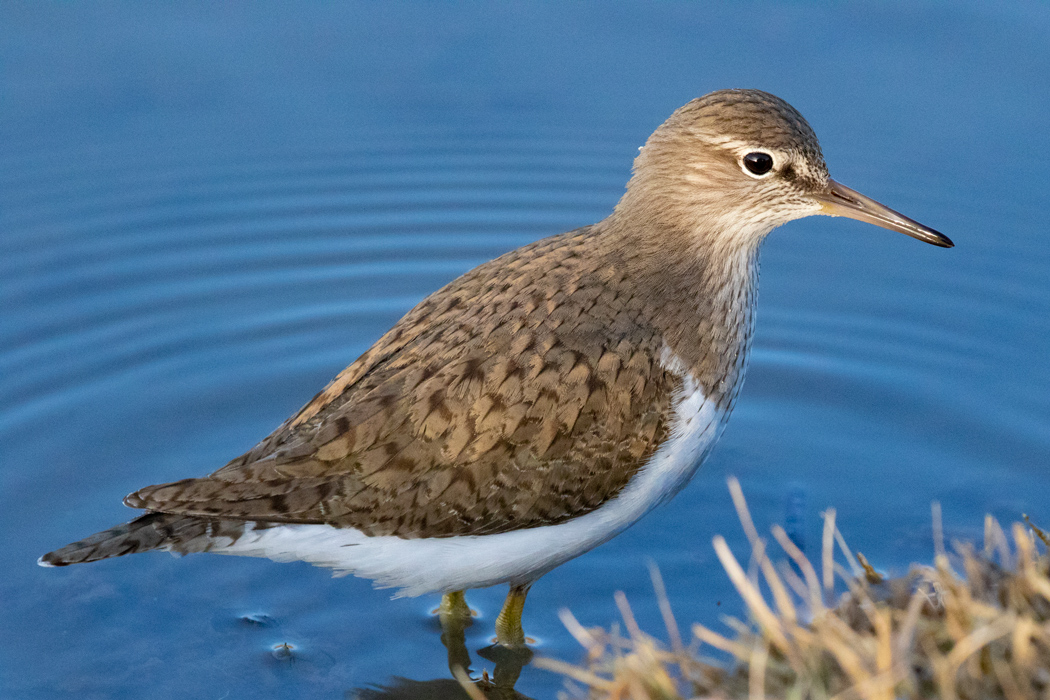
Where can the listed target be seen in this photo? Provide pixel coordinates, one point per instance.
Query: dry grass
(982, 632)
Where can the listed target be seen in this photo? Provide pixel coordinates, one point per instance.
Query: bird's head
(729, 167)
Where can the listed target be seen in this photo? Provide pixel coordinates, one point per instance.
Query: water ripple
(123, 260)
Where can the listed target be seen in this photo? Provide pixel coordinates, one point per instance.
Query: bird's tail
(171, 532)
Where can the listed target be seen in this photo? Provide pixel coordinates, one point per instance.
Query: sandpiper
(538, 405)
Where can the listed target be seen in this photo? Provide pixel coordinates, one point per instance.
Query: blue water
(207, 210)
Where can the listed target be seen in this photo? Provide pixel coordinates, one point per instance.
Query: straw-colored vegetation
(975, 624)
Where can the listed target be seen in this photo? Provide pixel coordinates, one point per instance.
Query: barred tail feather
(182, 534)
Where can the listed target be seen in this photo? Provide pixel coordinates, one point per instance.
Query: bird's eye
(758, 163)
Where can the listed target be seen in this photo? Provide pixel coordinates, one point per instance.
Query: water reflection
(508, 661)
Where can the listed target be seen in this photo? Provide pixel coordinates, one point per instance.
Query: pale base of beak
(840, 200)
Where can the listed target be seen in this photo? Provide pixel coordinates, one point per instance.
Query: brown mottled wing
(524, 393)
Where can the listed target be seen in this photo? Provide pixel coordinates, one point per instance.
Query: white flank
(418, 566)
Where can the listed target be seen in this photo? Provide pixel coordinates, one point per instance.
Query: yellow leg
(508, 624)
(455, 617)
(454, 605)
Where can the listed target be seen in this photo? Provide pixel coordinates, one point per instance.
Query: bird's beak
(840, 200)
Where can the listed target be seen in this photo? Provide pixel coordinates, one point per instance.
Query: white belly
(418, 566)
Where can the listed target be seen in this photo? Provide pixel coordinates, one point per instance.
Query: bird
(538, 405)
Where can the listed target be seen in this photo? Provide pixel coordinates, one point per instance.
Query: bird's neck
(700, 290)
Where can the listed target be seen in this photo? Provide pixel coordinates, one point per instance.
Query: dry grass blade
(816, 602)
(742, 511)
(938, 532)
(712, 638)
(751, 595)
(1006, 679)
(757, 671)
(827, 550)
(906, 634)
(665, 607)
(930, 635)
(580, 633)
(628, 616)
(856, 569)
(999, 543)
(568, 670)
(785, 608)
(973, 642)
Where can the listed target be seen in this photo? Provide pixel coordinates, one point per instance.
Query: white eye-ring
(757, 164)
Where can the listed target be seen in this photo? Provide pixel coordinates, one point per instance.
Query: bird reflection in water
(455, 617)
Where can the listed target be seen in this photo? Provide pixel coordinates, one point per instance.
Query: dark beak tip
(942, 241)
(840, 200)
